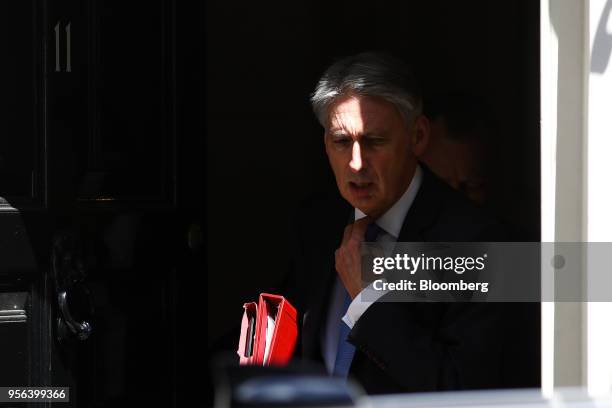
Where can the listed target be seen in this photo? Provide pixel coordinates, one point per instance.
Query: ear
(420, 135)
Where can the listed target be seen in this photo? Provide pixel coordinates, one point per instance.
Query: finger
(348, 230)
(340, 264)
(359, 228)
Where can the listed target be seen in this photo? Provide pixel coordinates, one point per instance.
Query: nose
(356, 164)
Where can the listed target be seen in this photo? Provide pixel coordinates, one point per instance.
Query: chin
(365, 205)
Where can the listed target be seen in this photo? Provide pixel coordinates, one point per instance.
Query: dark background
(173, 152)
(264, 148)
(102, 200)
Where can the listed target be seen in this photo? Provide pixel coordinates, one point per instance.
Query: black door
(101, 197)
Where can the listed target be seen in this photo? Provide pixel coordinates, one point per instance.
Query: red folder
(269, 331)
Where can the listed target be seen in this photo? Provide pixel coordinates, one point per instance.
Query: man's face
(372, 151)
(460, 163)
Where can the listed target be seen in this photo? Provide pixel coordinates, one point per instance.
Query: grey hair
(369, 74)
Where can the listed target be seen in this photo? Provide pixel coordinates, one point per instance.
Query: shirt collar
(393, 219)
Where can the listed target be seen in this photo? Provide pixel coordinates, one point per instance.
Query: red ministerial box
(269, 331)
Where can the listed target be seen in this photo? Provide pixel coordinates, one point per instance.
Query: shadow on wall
(602, 44)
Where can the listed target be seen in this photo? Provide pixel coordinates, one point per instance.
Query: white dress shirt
(391, 224)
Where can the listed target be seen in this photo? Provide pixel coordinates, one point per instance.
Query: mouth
(361, 190)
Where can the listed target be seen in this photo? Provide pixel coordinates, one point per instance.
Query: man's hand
(348, 256)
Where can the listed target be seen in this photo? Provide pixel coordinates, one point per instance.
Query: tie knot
(372, 232)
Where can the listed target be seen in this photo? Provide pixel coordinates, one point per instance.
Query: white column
(548, 162)
(563, 29)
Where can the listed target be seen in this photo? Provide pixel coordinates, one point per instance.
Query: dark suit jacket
(406, 347)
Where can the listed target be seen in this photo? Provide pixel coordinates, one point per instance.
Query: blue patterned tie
(346, 350)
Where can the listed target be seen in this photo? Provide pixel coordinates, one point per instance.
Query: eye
(375, 141)
(341, 141)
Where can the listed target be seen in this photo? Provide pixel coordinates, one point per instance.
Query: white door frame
(576, 175)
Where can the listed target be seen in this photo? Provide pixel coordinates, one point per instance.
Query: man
(457, 151)
(374, 133)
